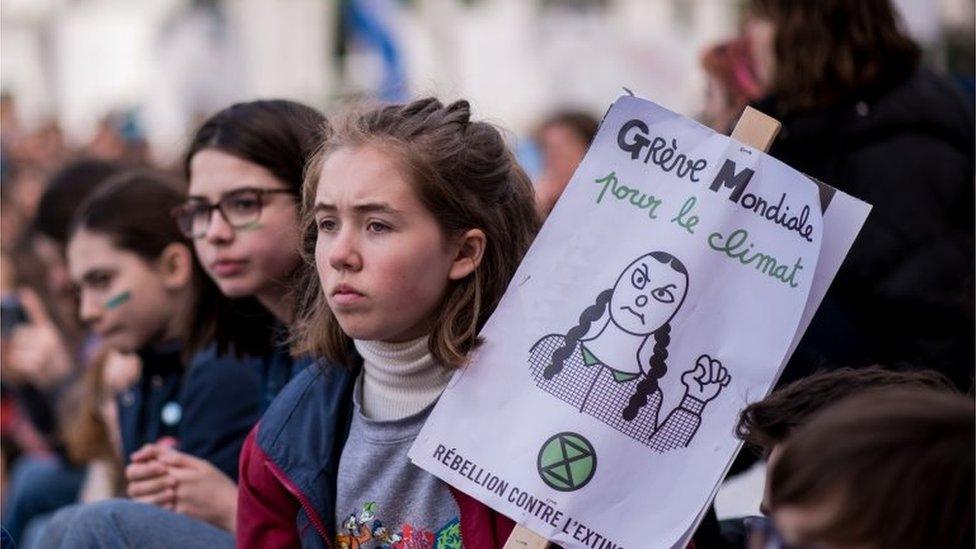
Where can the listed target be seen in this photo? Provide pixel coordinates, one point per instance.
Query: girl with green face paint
(135, 273)
(139, 284)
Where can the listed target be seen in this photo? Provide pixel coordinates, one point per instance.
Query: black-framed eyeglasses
(240, 208)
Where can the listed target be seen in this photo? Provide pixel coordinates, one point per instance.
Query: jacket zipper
(313, 515)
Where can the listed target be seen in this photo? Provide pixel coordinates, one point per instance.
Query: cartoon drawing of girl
(610, 363)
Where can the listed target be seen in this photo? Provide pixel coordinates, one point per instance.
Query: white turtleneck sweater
(377, 485)
(399, 379)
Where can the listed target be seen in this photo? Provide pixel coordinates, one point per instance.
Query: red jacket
(289, 462)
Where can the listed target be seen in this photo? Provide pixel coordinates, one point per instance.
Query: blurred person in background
(765, 425)
(885, 468)
(90, 431)
(732, 83)
(138, 283)
(66, 191)
(44, 146)
(119, 137)
(43, 346)
(563, 138)
(20, 193)
(860, 114)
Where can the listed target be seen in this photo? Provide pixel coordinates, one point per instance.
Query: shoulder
(319, 395)
(924, 105)
(208, 363)
(224, 377)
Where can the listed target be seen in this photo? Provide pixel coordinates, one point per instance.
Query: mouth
(633, 312)
(107, 331)
(228, 267)
(344, 294)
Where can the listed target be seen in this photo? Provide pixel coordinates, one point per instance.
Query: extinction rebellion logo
(567, 462)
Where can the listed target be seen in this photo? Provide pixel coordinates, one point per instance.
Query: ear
(470, 250)
(176, 266)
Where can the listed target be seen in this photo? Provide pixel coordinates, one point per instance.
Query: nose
(89, 310)
(641, 300)
(344, 252)
(219, 231)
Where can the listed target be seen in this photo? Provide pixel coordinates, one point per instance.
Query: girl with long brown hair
(416, 217)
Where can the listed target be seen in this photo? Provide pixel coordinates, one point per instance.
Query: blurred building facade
(167, 63)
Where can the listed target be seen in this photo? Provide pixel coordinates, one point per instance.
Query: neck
(178, 322)
(399, 379)
(616, 348)
(279, 301)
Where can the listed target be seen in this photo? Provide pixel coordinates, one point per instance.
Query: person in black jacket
(860, 114)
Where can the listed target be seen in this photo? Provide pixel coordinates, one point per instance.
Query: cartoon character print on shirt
(365, 531)
(610, 363)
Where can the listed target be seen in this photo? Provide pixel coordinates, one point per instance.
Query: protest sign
(663, 294)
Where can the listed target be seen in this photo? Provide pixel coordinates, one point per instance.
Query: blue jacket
(276, 370)
(207, 409)
(141, 405)
(290, 463)
(221, 400)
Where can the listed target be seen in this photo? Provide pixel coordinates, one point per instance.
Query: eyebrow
(91, 274)
(368, 207)
(202, 198)
(665, 287)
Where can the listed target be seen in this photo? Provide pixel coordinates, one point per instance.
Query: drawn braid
(587, 317)
(658, 367)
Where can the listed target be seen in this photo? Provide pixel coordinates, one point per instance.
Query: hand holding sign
(706, 380)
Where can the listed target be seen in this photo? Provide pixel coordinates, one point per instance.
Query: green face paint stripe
(118, 300)
(252, 226)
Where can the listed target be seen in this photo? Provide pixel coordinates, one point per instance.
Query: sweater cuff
(692, 404)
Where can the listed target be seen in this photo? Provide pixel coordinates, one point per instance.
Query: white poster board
(664, 293)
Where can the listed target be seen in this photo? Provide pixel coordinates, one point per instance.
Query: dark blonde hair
(770, 421)
(465, 175)
(896, 464)
(83, 427)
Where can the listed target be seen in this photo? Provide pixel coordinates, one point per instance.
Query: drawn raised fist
(706, 379)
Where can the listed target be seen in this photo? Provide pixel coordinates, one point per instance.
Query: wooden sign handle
(523, 538)
(754, 129)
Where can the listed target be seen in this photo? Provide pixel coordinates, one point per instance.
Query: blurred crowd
(138, 351)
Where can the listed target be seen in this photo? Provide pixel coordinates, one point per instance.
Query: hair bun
(460, 109)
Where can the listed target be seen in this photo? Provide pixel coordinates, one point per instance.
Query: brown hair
(896, 464)
(280, 136)
(133, 210)
(465, 175)
(66, 191)
(770, 421)
(828, 50)
(84, 430)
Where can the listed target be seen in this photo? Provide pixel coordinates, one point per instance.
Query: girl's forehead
(214, 173)
(354, 175)
(89, 250)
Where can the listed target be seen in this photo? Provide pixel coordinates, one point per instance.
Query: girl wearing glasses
(244, 167)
